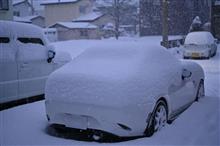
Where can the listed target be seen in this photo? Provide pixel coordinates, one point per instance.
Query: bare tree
(119, 10)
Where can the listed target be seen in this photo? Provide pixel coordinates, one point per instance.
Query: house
(66, 10)
(6, 10)
(98, 19)
(22, 8)
(76, 30)
(95, 18)
(36, 20)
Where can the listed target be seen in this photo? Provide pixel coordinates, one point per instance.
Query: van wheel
(158, 119)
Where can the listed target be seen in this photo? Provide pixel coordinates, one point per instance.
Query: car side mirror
(186, 74)
(51, 55)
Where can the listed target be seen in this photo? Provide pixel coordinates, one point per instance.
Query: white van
(26, 60)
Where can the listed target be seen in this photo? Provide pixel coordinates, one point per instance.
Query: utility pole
(32, 7)
(116, 18)
(165, 23)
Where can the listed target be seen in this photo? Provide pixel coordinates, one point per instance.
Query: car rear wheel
(200, 91)
(158, 119)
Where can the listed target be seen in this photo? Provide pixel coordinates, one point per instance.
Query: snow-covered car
(26, 60)
(200, 44)
(126, 89)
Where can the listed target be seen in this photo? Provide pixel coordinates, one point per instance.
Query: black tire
(200, 91)
(151, 129)
(210, 55)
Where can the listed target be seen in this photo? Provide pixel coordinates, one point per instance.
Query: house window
(4, 4)
(16, 13)
(82, 9)
(84, 33)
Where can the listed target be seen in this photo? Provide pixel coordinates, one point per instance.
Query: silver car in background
(199, 45)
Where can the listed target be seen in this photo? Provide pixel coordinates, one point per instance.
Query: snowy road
(198, 125)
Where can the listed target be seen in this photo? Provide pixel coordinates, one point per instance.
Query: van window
(31, 40)
(4, 40)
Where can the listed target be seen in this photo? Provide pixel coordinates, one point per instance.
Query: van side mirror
(51, 55)
(216, 41)
(186, 74)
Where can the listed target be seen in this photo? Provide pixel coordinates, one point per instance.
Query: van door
(33, 68)
(8, 70)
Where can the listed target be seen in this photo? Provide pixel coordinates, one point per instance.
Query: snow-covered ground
(198, 125)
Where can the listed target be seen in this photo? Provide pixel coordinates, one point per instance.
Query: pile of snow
(199, 38)
(198, 125)
(9, 28)
(115, 72)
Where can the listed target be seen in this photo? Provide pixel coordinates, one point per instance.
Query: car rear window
(31, 40)
(4, 40)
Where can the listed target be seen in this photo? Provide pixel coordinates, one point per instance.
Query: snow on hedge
(112, 74)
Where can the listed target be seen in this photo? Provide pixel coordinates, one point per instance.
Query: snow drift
(111, 74)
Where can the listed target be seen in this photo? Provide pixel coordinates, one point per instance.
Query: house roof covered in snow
(89, 17)
(53, 2)
(26, 19)
(33, 17)
(75, 25)
(21, 19)
(110, 3)
(16, 2)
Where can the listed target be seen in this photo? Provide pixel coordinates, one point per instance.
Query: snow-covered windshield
(199, 38)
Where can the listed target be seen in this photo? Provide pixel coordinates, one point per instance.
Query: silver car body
(199, 45)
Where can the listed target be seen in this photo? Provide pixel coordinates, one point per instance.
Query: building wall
(7, 14)
(39, 21)
(102, 21)
(23, 9)
(75, 34)
(66, 12)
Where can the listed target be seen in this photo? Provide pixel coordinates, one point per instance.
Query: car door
(33, 68)
(8, 70)
(181, 92)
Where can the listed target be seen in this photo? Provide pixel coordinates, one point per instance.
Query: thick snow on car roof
(112, 71)
(17, 29)
(199, 38)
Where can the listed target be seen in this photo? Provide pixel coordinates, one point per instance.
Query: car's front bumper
(121, 121)
(195, 55)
